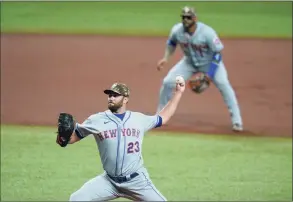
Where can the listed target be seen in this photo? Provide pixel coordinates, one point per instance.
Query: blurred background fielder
(202, 48)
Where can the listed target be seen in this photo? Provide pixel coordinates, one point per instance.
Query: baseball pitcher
(202, 59)
(119, 135)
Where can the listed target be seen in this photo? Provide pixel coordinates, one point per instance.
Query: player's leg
(142, 188)
(181, 68)
(149, 193)
(96, 189)
(222, 82)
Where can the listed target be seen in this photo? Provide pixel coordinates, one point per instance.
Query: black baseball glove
(66, 125)
(199, 83)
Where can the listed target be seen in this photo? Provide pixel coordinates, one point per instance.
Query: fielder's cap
(188, 11)
(118, 88)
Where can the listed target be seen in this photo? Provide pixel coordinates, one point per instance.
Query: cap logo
(186, 9)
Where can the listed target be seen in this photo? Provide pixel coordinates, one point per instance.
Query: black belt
(122, 179)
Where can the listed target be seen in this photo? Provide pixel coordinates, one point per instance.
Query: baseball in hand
(180, 80)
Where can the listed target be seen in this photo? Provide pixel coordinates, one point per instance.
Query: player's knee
(162, 198)
(78, 196)
(167, 82)
(74, 197)
(223, 83)
(158, 197)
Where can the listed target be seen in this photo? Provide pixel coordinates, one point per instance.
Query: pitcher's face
(115, 102)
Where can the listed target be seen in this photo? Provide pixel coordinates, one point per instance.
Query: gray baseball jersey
(199, 47)
(119, 140)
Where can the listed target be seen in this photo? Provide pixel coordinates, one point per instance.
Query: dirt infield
(42, 75)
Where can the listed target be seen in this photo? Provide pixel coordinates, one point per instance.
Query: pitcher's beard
(115, 107)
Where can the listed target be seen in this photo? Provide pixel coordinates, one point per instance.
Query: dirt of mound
(42, 75)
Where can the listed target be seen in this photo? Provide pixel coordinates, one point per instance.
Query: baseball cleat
(237, 127)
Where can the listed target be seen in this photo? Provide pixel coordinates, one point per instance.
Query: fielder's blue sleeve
(217, 58)
(171, 42)
(159, 123)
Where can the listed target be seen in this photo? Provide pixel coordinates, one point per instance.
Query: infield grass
(229, 19)
(183, 167)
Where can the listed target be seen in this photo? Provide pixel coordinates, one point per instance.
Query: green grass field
(183, 167)
(230, 19)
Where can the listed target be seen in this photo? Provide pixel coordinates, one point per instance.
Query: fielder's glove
(66, 125)
(199, 83)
